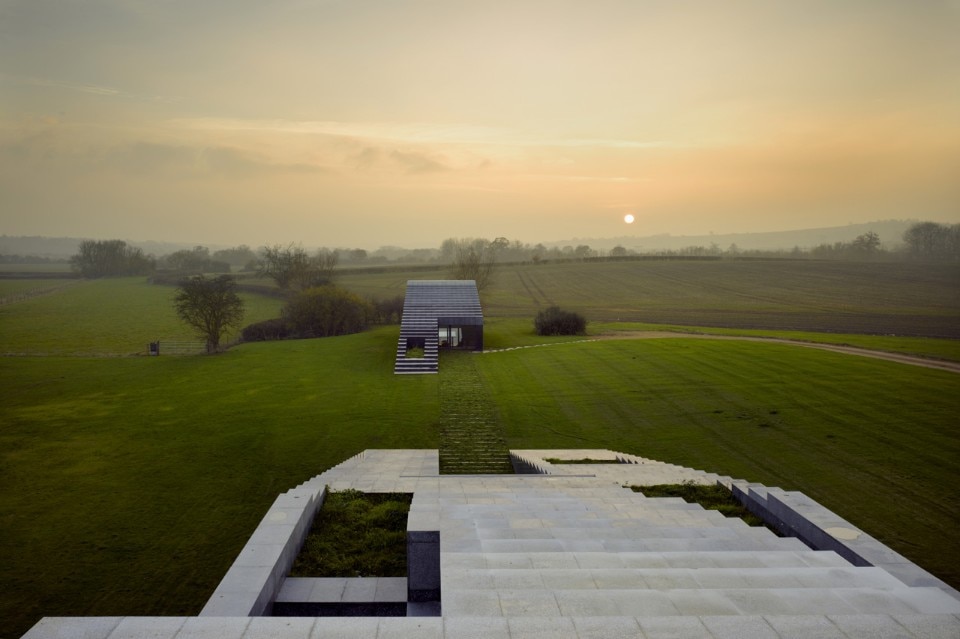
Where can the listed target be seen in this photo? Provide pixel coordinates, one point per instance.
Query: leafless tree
(473, 260)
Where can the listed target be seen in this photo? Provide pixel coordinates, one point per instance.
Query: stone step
(617, 546)
(693, 602)
(651, 626)
(683, 559)
(604, 534)
(667, 578)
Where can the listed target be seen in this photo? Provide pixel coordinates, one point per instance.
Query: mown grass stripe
(471, 438)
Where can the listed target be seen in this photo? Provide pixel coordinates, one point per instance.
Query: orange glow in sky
(367, 123)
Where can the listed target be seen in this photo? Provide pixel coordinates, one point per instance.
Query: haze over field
(370, 122)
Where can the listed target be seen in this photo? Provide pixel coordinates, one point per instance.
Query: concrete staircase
(571, 552)
(556, 549)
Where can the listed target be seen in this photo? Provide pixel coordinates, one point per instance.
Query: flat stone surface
(476, 627)
(930, 626)
(672, 627)
(804, 627)
(286, 627)
(869, 626)
(729, 627)
(215, 627)
(606, 627)
(72, 628)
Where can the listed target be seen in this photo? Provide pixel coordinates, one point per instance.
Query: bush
(554, 321)
(266, 330)
(324, 311)
(389, 311)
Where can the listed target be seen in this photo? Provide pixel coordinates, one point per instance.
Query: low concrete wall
(794, 514)
(251, 585)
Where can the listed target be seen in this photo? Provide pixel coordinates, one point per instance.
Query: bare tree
(110, 258)
(932, 241)
(209, 306)
(324, 264)
(868, 243)
(473, 260)
(283, 264)
(292, 267)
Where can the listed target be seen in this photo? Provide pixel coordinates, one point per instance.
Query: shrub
(554, 321)
(266, 330)
(388, 311)
(324, 311)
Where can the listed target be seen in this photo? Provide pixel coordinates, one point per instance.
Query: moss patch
(715, 497)
(357, 534)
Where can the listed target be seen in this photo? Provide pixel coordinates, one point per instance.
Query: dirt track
(953, 367)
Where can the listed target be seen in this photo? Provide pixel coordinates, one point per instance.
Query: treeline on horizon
(928, 241)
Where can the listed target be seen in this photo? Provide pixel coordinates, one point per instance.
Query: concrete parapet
(794, 514)
(253, 581)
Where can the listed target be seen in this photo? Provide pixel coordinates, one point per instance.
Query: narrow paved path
(913, 360)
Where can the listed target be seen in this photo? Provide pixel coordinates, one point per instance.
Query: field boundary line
(912, 360)
(32, 293)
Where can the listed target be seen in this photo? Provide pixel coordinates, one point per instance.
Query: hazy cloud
(413, 162)
(236, 163)
(91, 89)
(367, 158)
(146, 158)
(54, 148)
(415, 132)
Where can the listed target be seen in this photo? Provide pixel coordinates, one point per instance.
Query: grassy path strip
(471, 439)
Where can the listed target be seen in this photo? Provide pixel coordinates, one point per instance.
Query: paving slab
(870, 626)
(804, 627)
(672, 627)
(214, 627)
(607, 627)
(287, 627)
(727, 627)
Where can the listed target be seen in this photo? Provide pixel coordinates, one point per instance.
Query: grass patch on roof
(357, 534)
(714, 497)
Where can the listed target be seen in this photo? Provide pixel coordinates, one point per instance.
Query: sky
(363, 123)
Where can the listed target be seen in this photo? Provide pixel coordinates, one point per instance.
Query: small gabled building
(437, 314)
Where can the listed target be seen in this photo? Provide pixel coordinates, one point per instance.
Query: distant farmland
(804, 295)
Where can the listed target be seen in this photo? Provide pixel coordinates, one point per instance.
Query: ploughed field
(805, 295)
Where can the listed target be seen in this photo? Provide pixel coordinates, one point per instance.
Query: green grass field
(13, 287)
(105, 317)
(129, 484)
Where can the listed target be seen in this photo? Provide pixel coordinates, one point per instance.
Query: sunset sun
(628, 218)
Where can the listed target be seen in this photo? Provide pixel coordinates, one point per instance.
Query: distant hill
(63, 247)
(890, 232)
